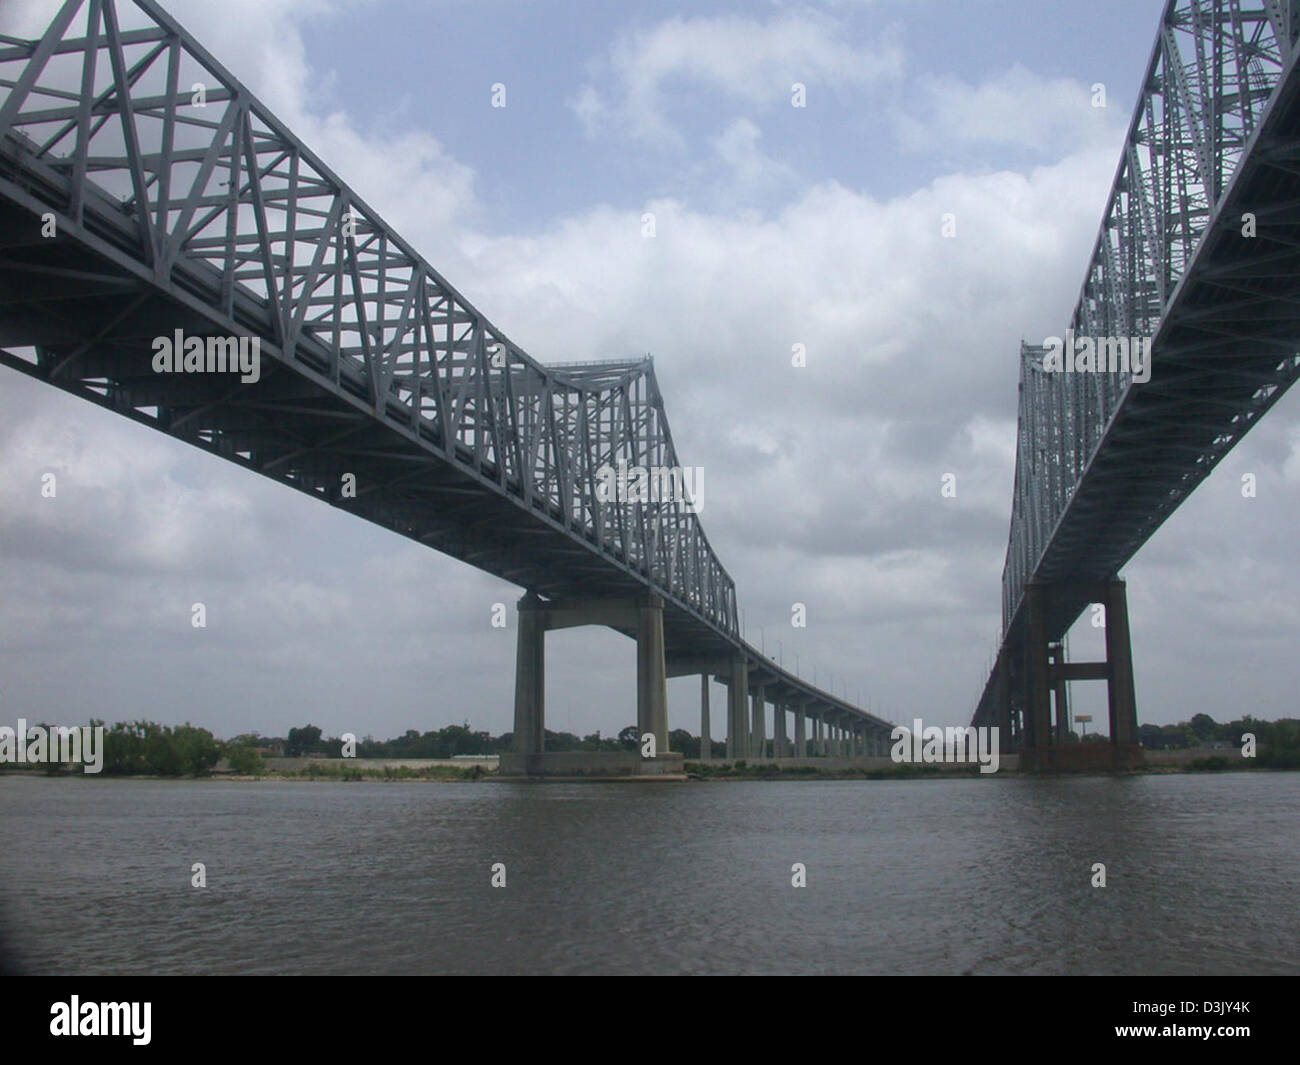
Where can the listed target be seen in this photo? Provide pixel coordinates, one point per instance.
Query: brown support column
(1038, 711)
(1060, 695)
(1002, 699)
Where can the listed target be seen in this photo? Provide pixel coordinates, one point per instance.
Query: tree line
(146, 747)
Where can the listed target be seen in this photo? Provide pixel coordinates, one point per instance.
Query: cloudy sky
(775, 226)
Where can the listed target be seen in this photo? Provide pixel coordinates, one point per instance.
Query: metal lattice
(1216, 67)
(152, 148)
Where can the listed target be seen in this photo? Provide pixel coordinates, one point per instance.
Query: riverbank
(348, 770)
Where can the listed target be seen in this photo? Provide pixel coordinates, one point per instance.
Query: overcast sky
(775, 226)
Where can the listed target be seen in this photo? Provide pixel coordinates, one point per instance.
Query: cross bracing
(1170, 265)
(1198, 255)
(182, 203)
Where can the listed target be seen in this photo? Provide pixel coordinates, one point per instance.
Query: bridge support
(758, 729)
(737, 700)
(706, 743)
(1060, 692)
(1119, 652)
(530, 677)
(1046, 674)
(1002, 703)
(642, 618)
(651, 673)
(800, 732)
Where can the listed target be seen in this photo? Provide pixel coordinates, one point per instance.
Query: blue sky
(535, 161)
(775, 226)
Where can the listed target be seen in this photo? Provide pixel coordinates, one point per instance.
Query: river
(939, 876)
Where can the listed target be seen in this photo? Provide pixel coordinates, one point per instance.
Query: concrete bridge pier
(642, 618)
(651, 672)
(737, 698)
(706, 742)
(1002, 704)
(800, 732)
(1045, 677)
(758, 728)
(530, 677)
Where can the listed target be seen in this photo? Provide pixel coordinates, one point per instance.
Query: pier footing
(592, 766)
(1082, 758)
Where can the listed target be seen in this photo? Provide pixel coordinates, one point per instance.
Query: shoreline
(695, 773)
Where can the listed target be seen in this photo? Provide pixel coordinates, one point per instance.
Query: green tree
(244, 759)
(301, 741)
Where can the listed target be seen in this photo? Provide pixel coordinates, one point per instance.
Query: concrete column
(530, 677)
(800, 732)
(1119, 653)
(779, 745)
(651, 673)
(737, 700)
(706, 744)
(1039, 694)
(1056, 654)
(1002, 711)
(758, 724)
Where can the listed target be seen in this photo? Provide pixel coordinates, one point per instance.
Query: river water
(939, 876)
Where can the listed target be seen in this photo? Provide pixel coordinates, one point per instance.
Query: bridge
(171, 252)
(1198, 257)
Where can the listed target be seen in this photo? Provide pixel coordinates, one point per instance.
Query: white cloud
(744, 60)
(1014, 109)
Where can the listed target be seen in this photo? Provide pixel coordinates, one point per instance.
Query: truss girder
(204, 213)
(1211, 140)
(220, 201)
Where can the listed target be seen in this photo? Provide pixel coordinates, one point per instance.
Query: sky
(775, 226)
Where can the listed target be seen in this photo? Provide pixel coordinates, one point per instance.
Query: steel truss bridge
(1199, 253)
(145, 191)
